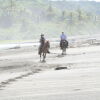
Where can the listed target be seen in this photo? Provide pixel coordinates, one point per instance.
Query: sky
(95, 0)
(79, 0)
(98, 0)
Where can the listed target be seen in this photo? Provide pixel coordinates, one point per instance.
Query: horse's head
(64, 44)
(47, 43)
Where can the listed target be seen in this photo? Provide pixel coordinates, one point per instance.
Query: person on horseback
(42, 42)
(63, 37)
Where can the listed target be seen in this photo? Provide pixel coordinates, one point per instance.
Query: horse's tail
(67, 43)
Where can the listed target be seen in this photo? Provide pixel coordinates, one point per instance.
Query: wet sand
(24, 77)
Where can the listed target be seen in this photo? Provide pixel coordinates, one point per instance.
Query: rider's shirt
(63, 37)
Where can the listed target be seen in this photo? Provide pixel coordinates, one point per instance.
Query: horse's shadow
(61, 55)
(43, 61)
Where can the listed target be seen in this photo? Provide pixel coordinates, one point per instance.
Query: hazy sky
(77, 0)
(95, 0)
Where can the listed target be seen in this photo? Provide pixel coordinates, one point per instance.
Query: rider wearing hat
(42, 40)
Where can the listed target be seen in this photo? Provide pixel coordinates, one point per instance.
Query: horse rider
(63, 37)
(42, 42)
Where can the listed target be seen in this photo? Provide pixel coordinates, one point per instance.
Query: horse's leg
(44, 56)
(65, 51)
(62, 51)
(40, 57)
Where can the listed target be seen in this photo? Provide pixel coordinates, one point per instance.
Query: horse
(43, 50)
(64, 45)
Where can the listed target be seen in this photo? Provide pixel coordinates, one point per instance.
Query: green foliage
(27, 19)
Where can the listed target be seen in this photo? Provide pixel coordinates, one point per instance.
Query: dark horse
(43, 50)
(64, 45)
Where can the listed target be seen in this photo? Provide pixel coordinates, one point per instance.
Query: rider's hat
(42, 34)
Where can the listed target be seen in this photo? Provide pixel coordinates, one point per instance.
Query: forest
(27, 19)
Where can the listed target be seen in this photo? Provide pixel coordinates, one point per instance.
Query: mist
(26, 20)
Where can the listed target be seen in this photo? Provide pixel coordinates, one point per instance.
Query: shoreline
(53, 41)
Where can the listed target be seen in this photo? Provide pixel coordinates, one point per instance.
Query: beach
(24, 77)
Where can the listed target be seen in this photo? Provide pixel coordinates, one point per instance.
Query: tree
(79, 14)
(63, 15)
(50, 12)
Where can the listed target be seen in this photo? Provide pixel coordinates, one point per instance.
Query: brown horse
(43, 50)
